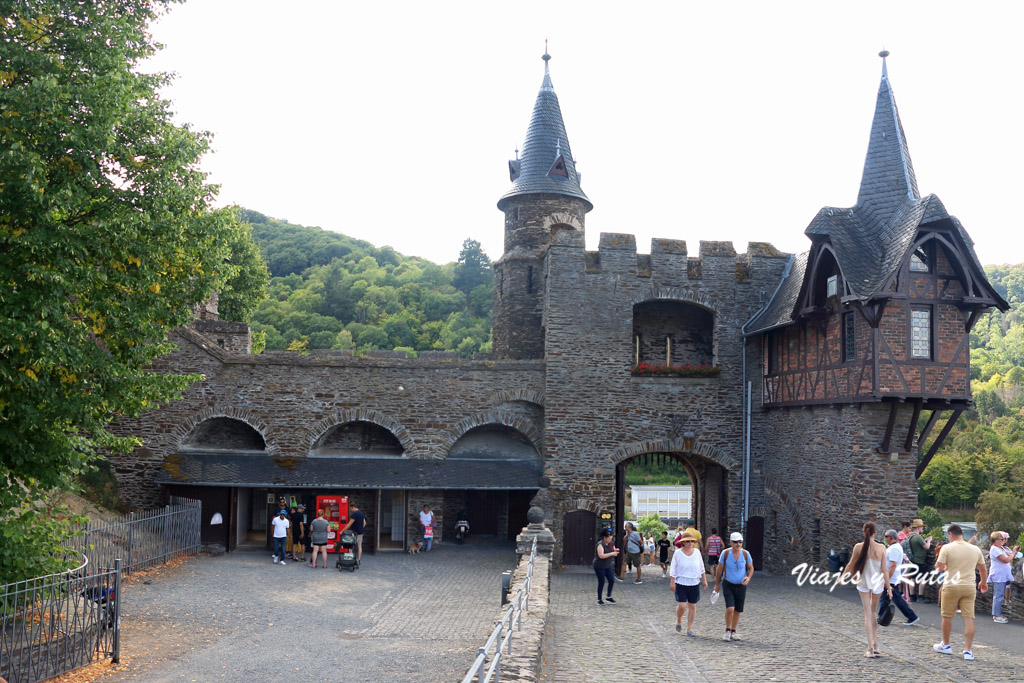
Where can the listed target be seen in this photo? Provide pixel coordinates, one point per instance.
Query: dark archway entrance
(708, 481)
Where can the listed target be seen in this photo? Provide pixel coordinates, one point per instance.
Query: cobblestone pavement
(239, 617)
(790, 634)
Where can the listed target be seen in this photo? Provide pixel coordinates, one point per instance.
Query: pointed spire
(545, 163)
(888, 176)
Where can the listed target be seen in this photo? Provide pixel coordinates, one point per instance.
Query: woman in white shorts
(867, 568)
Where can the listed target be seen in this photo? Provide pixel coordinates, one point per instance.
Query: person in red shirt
(713, 548)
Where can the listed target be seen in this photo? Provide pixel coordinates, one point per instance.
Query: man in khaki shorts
(958, 559)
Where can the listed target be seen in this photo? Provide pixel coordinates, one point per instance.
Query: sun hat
(917, 522)
(736, 536)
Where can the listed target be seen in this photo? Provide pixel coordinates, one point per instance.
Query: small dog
(414, 548)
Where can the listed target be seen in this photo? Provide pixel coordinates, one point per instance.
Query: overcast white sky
(392, 122)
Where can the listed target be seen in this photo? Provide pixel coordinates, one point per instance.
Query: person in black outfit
(603, 563)
(357, 523)
(663, 545)
(298, 529)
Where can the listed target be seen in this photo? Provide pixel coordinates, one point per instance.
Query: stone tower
(545, 196)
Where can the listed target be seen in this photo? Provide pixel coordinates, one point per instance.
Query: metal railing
(53, 624)
(141, 539)
(501, 637)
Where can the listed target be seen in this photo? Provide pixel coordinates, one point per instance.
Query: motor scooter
(461, 531)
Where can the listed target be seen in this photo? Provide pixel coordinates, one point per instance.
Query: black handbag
(887, 615)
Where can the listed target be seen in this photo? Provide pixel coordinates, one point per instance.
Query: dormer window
(558, 168)
(832, 286)
(919, 261)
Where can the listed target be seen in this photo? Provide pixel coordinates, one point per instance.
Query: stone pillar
(535, 529)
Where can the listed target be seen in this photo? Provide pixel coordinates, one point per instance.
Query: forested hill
(329, 291)
(985, 451)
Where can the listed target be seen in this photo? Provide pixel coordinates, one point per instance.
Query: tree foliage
(107, 242)
(985, 450)
(335, 292)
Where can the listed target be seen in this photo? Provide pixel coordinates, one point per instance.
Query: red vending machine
(336, 512)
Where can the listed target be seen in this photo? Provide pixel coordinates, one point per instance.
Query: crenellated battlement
(669, 258)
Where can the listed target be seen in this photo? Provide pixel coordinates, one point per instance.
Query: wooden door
(579, 537)
(483, 513)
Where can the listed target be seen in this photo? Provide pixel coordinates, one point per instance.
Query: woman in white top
(686, 574)
(868, 569)
(649, 541)
(1000, 572)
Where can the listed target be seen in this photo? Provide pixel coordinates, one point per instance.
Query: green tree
(473, 268)
(1000, 511)
(651, 524)
(930, 516)
(246, 274)
(107, 242)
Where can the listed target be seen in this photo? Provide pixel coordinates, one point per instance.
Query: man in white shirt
(427, 525)
(895, 559)
(280, 524)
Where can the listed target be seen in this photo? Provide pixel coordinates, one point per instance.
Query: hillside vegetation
(329, 291)
(983, 458)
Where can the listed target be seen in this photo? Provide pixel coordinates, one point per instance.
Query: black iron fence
(142, 539)
(53, 624)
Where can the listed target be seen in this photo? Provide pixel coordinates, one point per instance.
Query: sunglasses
(735, 541)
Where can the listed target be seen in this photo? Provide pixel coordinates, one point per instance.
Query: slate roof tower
(545, 195)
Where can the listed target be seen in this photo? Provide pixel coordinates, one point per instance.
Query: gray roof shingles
(242, 469)
(545, 140)
(870, 239)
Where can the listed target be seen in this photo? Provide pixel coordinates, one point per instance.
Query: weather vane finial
(546, 57)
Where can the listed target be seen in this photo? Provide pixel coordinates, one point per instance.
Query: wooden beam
(895, 406)
(932, 419)
(912, 428)
(938, 442)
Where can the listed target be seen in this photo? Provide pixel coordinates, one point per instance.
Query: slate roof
(545, 141)
(870, 239)
(779, 310)
(234, 469)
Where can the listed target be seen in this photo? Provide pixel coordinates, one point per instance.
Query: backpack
(908, 552)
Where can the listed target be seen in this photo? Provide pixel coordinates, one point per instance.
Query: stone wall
(596, 413)
(293, 400)
(821, 478)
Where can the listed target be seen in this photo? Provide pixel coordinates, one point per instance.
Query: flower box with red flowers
(682, 370)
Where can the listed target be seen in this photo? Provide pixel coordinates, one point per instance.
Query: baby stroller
(347, 551)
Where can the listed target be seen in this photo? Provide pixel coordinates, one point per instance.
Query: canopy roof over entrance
(224, 469)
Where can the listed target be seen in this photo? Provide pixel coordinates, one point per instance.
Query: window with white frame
(921, 333)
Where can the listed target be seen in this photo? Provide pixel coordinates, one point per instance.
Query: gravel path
(240, 617)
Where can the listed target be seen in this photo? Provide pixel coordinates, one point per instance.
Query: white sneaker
(727, 636)
(1001, 620)
(968, 655)
(736, 636)
(275, 559)
(943, 648)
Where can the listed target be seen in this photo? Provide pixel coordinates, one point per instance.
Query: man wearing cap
(298, 526)
(732, 576)
(280, 524)
(919, 557)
